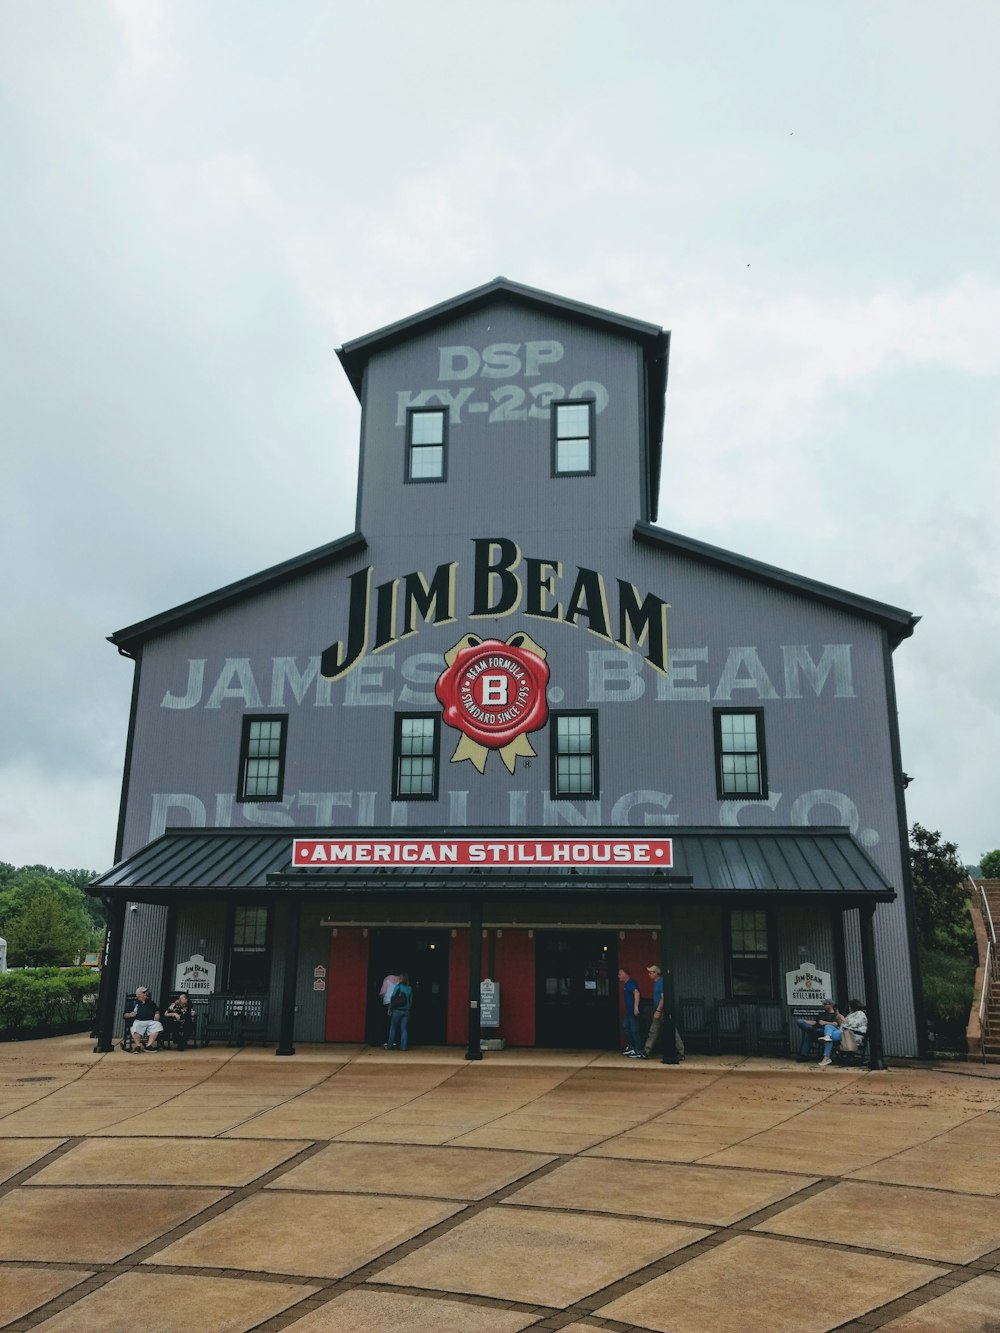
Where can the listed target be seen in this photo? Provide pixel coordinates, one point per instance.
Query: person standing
(400, 1004)
(389, 984)
(633, 1036)
(657, 1020)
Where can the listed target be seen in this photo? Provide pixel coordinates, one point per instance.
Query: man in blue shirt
(657, 1020)
(633, 1035)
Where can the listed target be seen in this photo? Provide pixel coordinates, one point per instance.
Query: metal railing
(990, 966)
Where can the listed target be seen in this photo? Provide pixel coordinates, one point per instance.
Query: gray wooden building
(508, 650)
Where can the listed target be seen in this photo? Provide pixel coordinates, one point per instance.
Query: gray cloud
(207, 200)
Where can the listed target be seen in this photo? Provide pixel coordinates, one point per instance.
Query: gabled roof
(899, 624)
(128, 639)
(654, 341)
(815, 861)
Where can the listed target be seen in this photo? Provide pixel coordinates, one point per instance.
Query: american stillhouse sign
(634, 853)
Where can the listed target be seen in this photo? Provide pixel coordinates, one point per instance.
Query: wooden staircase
(990, 1034)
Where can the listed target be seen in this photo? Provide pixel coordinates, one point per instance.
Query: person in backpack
(400, 1003)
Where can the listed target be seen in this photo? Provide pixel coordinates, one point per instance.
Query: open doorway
(423, 954)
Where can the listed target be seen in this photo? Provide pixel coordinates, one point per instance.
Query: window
(249, 955)
(751, 975)
(416, 749)
(740, 764)
(573, 438)
(426, 444)
(262, 759)
(574, 754)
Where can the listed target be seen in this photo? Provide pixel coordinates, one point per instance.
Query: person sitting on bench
(813, 1029)
(145, 1021)
(178, 1020)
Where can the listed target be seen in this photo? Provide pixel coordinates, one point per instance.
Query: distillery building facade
(510, 709)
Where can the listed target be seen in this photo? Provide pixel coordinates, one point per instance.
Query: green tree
(64, 909)
(18, 884)
(944, 926)
(47, 931)
(989, 865)
(941, 890)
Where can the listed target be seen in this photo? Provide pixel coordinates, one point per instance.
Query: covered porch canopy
(810, 866)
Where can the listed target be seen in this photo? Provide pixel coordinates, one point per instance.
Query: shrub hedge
(41, 1000)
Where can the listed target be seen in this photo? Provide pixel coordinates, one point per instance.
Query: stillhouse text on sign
(639, 853)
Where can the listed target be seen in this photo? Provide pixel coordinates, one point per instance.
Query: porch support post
(167, 973)
(866, 913)
(839, 957)
(474, 1050)
(110, 974)
(669, 1025)
(293, 921)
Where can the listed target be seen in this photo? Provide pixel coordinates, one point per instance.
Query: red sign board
(524, 853)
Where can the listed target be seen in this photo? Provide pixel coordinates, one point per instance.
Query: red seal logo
(494, 693)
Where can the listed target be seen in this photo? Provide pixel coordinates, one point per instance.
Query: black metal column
(839, 957)
(870, 970)
(293, 921)
(669, 1025)
(111, 968)
(167, 973)
(474, 1050)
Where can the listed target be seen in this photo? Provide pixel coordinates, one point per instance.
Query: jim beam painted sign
(492, 691)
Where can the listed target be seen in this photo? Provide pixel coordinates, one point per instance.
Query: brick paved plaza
(356, 1189)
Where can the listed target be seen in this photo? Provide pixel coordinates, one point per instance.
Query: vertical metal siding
(829, 757)
(143, 943)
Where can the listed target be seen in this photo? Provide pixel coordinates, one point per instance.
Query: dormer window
(573, 438)
(426, 444)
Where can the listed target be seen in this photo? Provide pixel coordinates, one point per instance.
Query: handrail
(987, 915)
(984, 1021)
(987, 981)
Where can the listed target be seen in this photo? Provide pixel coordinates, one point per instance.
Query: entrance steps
(991, 1033)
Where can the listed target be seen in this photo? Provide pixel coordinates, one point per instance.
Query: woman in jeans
(400, 1003)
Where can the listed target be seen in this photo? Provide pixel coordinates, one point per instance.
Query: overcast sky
(203, 199)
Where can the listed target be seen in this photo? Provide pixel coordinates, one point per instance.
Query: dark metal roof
(125, 640)
(898, 623)
(655, 343)
(707, 862)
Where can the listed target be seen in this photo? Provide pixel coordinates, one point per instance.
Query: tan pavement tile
(444, 1173)
(176, 1303)
(317, 1124)
(971, 1308)
(92, 1225)
(821, 1146)
(25, 1289)
(322, 1235)
(752, 1285)
(674, 1142)
(951, 1161)
(166, 1162)
(361, 1311)
(520, 1255)
(930, 1224)
(538, 1140)
(16, 1154)
(710, 1195)
(402, 1129)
